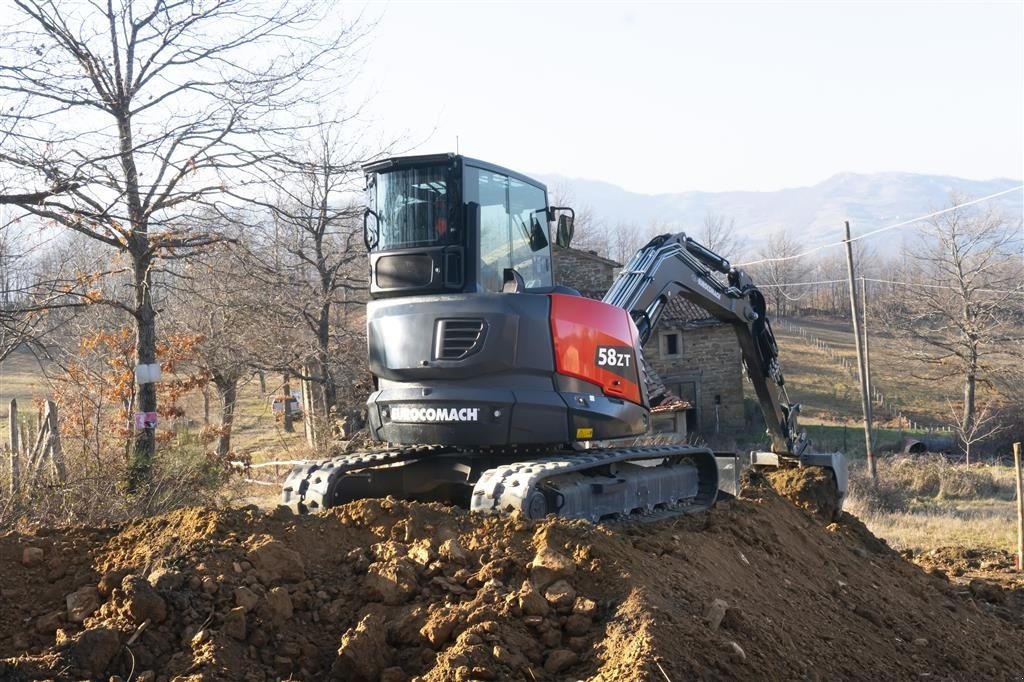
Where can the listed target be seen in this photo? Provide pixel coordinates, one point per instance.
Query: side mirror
(563, 236)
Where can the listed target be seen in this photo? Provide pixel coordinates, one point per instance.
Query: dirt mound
(756, 589)
(812, 488)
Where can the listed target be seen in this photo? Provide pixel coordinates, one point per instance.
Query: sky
(672, 97)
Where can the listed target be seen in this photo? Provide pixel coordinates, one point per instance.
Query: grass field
(255, 434)
(831, 393)
(921, 503)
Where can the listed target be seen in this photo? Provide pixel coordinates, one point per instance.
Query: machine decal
(618, 359)
(596, 342)
(405, 413)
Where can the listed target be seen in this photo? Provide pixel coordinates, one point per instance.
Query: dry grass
(21, 378)
(829, 392)
(921, 503)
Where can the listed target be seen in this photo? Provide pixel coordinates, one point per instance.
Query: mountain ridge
(814, 212)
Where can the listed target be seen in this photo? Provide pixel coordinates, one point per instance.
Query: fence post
(56, 453)
(15, 447)
(1020, 509)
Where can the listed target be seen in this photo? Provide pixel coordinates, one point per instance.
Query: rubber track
(308, 485)
(508, 487)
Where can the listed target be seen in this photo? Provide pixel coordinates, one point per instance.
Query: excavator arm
(676, 265)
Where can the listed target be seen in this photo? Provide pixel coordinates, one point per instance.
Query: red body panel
(588, 332)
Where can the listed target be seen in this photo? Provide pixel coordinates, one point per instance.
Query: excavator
(501, 391)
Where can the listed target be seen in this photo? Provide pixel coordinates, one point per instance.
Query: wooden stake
(867, 350)
(869, 450)
(15, 446)
(1020, 509)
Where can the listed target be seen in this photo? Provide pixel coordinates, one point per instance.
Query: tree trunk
(969, 400)
(329, 390)
(141, 469)
(228, 390)
(206, 405)
(286, 409)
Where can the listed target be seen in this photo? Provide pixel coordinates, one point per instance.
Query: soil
(758, 588)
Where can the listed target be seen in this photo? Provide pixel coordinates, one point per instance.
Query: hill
(816, 213)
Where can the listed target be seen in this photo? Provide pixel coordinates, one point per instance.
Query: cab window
(512, 228)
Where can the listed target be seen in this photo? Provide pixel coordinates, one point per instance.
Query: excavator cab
(445, 224)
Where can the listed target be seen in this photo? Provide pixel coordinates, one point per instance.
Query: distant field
(21, 378)
(830, 393)
(255, 433)
(925, 502)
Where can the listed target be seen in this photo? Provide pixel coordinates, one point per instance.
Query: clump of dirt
(987, 575)
(388, 590)
(812, 488)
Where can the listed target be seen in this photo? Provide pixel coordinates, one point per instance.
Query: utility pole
(864, 399)
(867, 350)
(1020, 509)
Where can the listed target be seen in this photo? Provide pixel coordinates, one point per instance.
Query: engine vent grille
(459, 338)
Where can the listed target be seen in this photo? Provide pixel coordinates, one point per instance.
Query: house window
(670, 345)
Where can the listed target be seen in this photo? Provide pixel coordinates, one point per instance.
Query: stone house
(696, 356)
(698, 359)
(590, 274)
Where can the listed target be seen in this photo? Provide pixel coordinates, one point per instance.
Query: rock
(48, 623)
(421, 552)
(110, 581)
(168, 579)
(200, 637)
(363, 653)
(246, 598)
(393, 674)
(736, 651)
(507, 657)
(531, 601)
(31, 556)
(141, 601)
(577, 625)
(585, 607)
(209, 585)
(560, 595)
(548, 566)
(451, 550)
(81, 603)
(714, 612)
(920, 641)
(95, 649)
(278, 561)
(552, 639)
(234, 623)
(560, 659)
(579, 644)
(280, 603)
(439, 627)
(393, 581)
(986, 591)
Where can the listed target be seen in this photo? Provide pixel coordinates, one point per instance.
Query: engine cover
(502, 370)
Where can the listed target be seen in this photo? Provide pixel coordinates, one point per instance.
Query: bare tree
(590, 232)
(119, 120)
(782, 268)
(966, 310)
(718, 233)
(318, 225)
(212, 295)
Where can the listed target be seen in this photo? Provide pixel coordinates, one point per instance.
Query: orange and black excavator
(500, 390)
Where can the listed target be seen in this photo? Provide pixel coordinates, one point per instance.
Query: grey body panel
(478, 370)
